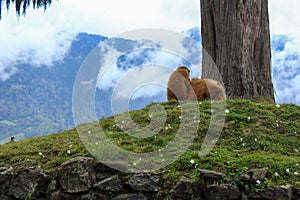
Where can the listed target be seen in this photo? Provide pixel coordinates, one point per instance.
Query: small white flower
(200, 103)
(258, 182)
(287, 170)
(134, 164)
(179, 106)
(244, 144)
(180, 117)
(227, 111)
(97, 143)
(249, 118)
(212, 111)
(40, 153)
(296, 173)
(277, 125)
(89, 132)
(277, 106)
(211, 102)
(162, 160)
(297, 164)
(69, 152)
(192, 161)
(255, 139)
(276, 174)
(241, 139)
(297, 150)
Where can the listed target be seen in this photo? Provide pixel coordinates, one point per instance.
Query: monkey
(206, 88)
(179, 84)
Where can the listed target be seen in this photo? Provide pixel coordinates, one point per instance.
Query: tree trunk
(236, 36)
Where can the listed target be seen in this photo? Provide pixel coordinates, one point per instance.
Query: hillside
(255, 135)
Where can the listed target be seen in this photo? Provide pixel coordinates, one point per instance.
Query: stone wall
(84, 178)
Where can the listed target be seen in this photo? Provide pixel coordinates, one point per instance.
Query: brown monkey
(207, 89)
(179, 84)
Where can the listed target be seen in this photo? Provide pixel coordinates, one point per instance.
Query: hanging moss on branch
(23, 5)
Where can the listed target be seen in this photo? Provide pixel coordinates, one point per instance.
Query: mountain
(37, 100)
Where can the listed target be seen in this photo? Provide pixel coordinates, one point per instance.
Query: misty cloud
(286, 69)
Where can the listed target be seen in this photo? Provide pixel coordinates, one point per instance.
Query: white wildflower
(212, 111)
(179, 106)
(249, 118)
(244, 144)
(40, 153)
(69, 152)
(297, 150)
(296, 173)
(180, 117)
(258, 182)
(89, 132)
(192, 161)
(241, 139)
(134, 164)
(227, 111)
(200, 103)
(287, 170)
(277, 106)
(276, 174)
(255, 139)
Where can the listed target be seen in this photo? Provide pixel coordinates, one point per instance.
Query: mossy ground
(255, 135)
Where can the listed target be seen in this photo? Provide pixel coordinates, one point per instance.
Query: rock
(222, 192)
(143, 183)
(6, 175)
(77, 175)
(184, 189)
(3, 169)
(28, 183)
(4, 197)
(58, 195)
(211, 176)
(112, 184)
(130, 197)
(93, 195)
(254, 175)
(274, 193)
(296, 193)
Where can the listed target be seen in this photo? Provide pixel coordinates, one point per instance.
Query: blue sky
(42, 38)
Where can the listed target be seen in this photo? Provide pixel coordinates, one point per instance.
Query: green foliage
(255, 135)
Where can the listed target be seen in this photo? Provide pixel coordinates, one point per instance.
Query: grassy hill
(255, 135)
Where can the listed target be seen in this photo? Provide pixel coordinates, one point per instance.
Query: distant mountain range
(38, 100)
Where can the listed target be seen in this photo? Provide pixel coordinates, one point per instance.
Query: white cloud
(41, 38)
(147, 81)
(286, 70)
(285, 18)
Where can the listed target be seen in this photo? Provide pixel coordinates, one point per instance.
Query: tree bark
(236, 36)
